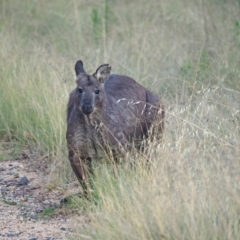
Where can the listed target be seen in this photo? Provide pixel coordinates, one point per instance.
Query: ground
(29, 209)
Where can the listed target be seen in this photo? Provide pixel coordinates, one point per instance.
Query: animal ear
(102, 73)
(79, 67)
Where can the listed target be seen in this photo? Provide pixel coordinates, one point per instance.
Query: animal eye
(80, 90)
(97, 91)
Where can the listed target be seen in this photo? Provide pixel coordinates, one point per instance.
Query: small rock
(33, 238)
(2, 169)
(39, 210)
(10, 235)
(23, 181)
(10, 183)
(46, 202)
(4, 191)
(13, 168)
(63, 228)
(34, 216)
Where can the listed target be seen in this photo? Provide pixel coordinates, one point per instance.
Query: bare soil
(28, 209)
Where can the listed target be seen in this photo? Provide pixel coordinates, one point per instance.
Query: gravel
(23, 202)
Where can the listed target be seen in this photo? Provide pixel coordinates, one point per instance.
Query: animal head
(90, 88)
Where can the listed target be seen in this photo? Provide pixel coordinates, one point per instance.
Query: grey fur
(108, 110)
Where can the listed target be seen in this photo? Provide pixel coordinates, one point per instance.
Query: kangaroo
(108, 110)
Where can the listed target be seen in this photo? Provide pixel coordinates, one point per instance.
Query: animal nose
(87, 109)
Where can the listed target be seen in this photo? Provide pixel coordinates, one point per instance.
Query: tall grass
(188, 52)
(188, 190)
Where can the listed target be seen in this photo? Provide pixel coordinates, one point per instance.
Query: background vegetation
(189, 53)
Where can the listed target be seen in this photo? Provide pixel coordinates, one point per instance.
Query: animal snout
(87, 109)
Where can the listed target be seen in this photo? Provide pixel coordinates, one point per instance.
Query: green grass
(47, 212)
(186, 51)
(8, 202)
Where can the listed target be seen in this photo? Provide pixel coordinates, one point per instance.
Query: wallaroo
(108, 111)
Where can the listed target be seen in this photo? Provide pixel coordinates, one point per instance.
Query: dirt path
(28, 211)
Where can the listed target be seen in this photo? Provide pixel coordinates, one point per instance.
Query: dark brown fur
(108, 110)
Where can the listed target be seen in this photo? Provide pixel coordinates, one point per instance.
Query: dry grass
(190, 189)
(186, 51)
